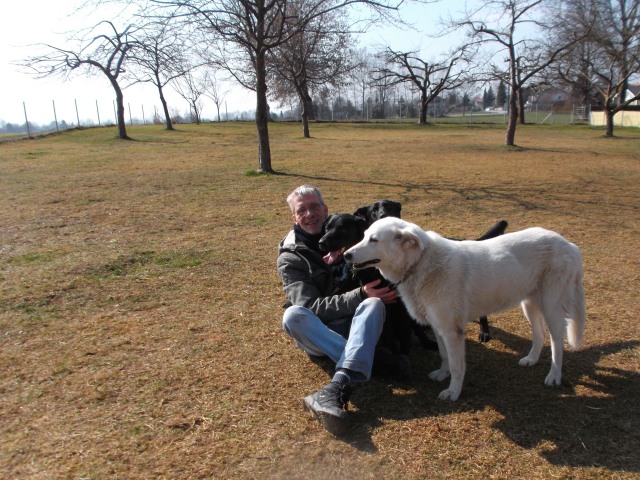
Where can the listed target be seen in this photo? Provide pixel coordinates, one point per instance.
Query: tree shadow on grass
(600, 428)
(526, 197)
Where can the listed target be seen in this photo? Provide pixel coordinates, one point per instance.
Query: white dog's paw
(439, 375)
(553, 379)
(528, 361)
(449, 394)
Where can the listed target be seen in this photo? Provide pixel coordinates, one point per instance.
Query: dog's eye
(373, 239)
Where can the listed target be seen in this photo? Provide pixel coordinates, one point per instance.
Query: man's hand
(385, 294)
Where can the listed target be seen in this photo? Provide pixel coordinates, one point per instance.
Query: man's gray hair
(302, 191)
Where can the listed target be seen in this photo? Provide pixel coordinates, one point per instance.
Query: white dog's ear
(408, 240)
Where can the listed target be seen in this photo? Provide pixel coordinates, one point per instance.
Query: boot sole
(335, 425)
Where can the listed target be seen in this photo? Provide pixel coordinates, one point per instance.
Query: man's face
(309, 213)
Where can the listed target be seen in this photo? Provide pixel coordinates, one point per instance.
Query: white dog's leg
(532, 312)
(557, 330)
(454, 343)
(443, 372)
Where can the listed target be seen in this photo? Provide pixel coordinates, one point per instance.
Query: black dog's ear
(362, 212)
(362, 224)
(326, 222)
(398, 205)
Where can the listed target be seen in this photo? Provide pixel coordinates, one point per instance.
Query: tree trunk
(165, 108)
(307, 110)
(608, 115)
(520, 107)
(305, 120)
(122, 128)
(262, 119)
(424, 108)
(513, 118)
(364, 115)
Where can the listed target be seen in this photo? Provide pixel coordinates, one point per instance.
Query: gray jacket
(309, 282)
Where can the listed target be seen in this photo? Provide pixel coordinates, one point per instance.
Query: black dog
(389, 208)
(377, 210)
(341, 232)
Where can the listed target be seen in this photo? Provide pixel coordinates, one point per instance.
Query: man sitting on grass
(330, 314)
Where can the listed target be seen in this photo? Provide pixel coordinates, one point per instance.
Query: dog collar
(411, 270)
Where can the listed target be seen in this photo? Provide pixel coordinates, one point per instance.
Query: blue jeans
(350, 344)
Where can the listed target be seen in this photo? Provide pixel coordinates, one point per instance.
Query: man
(330, 315)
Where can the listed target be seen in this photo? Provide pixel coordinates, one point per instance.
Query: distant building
(632, 91)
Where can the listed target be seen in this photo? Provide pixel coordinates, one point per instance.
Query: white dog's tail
(575, 308)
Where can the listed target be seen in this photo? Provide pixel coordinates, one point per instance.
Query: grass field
(140, 309)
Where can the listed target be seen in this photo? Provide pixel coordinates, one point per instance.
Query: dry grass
(140, 308)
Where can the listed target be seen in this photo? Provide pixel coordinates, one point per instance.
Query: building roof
(634, 89)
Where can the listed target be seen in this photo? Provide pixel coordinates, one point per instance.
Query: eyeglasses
(311, 208)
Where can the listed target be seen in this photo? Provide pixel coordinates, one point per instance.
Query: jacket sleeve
(300, 288)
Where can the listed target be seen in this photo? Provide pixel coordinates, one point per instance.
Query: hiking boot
(328, 406)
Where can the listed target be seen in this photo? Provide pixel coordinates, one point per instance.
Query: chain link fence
(30, 120)
(33, 119)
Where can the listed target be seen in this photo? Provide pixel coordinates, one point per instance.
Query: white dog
(448, 283)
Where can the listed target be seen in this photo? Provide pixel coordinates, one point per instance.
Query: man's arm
(302, 289)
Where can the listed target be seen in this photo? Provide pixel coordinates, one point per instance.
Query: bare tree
(213, 90)
(527, 56)
(191, 86)
(162, 59)
(600, 67)
(362, 78)
(317, 56)
(430, 78)
(103, 48)
(249, 29)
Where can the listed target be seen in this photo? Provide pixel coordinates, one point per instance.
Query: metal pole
(55, 116)
(98, 112)
(144, 122)
(115, 112)
(26, 120)
(130, 119)
(77, 115)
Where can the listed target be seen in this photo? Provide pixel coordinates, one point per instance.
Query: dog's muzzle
(363, 265)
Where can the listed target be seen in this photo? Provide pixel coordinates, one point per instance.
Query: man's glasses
(311, 208)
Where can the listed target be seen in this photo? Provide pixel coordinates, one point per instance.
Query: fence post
(26, 119)
(55, 116)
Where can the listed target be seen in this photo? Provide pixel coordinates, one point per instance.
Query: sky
(25, 24)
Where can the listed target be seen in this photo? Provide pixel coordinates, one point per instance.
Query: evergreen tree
(491, 97)
(501, 98)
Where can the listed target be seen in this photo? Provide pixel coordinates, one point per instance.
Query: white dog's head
(391, 245)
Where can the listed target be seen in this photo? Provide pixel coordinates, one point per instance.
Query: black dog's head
(341, 232)
(377, 210)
